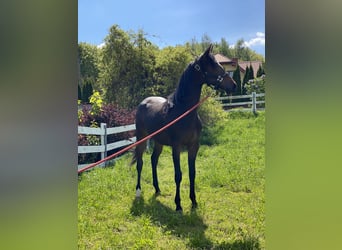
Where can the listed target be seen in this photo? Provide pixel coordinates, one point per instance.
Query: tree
(194, 47)
(143, 68)
(246, 76)
(128, 66)
(244, 53)
(79, 92)
(87, 91)
(85, 96)
(245, 80)
(237, 79)
(261, 71)
(240, 50)
(116, 60)
(170, 64)
(250, 73)
(224, 48)
(88, 58)
(205, 41)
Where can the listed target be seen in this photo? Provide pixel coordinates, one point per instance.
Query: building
(230, 65)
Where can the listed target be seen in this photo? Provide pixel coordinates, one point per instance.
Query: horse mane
(177, 97)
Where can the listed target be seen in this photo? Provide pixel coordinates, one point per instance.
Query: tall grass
(230, 191)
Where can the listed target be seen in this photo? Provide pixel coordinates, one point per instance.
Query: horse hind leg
(154, 162)
(139, 150)
(140, 133)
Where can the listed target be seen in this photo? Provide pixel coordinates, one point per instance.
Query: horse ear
(208, 50)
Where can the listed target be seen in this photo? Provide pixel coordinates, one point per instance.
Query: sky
(172, 22)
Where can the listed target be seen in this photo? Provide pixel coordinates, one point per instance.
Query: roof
(255, 65)
(242, 64)
(222, 59)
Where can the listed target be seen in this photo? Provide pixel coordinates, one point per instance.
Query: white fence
(252, 101)
(103, 148)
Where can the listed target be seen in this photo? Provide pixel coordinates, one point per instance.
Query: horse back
(155, 112)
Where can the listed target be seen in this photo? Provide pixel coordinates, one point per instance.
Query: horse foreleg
(154, 161)
(178, 175)
(192, 153)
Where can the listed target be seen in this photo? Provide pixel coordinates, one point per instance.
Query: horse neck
(189, 89)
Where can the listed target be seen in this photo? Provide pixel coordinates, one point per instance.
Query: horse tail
(139, 134)
(137, 152)
(134, 158)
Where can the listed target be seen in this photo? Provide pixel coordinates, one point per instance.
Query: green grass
(229, 186)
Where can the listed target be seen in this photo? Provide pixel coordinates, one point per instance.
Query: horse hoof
(138, 193)
(179, 210)
(194, 205)
(157, 193)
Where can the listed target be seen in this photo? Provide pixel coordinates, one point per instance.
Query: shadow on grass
(186, 226)
(248, 244)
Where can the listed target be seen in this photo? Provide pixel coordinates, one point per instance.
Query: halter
(205, 75)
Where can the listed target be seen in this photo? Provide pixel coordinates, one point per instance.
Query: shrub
(89, 140)
(256, 85)
(211, 110)
(96, 102)
(115, 116)
(93, 116)
(212, 116)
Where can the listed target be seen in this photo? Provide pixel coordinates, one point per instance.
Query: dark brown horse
(155, 112)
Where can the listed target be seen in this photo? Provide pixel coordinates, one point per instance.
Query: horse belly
(189, 138)
(168, 138)
(163, 138)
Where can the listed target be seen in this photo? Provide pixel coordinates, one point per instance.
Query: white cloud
(258, 40)
(260, 34)
(101, 45)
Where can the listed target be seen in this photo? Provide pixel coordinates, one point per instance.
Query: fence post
(104, 142)
(254, 102)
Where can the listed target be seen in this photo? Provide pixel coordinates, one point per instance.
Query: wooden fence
(103, 131)
(252, 101)
(103, 148)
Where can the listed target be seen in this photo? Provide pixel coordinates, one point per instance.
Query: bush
(211, 110)
(93, 116)
(212, 116)
(115, 116)
(89, 140)
(256, 85)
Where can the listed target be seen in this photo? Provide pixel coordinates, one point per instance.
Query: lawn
(230, 185)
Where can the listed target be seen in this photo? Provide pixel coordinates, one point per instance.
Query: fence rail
(252, 100)
(103, 131)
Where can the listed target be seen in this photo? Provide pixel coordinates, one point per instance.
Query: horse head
(213, 72)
